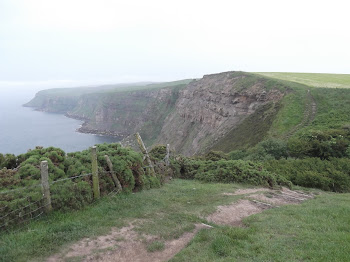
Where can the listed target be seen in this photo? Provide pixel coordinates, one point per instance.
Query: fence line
(21, 216)
(19, 189)
(21, 208)
(46, 196)
(38, 185)
(69, 178)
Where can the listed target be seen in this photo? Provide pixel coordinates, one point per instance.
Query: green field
(313, 79)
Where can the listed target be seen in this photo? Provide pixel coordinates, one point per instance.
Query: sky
(56, 43)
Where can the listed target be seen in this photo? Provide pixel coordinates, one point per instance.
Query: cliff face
(125, 113)
(192, 116)
(55, 104)
(207, 109)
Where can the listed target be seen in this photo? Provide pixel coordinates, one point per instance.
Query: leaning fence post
(95, 182)
(44, 170)
(167, 155)
(114, 176)
(145, 152)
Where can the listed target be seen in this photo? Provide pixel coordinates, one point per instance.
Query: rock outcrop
(210, 107)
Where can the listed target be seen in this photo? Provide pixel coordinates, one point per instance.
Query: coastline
(86, 130)
(83, 127)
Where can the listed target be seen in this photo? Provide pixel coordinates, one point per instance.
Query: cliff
(209, 108)
(191, 115)
(125, 113)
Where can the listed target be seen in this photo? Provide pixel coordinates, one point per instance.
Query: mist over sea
(22, 128)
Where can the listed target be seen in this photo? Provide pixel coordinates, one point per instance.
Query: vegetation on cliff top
(313, 79)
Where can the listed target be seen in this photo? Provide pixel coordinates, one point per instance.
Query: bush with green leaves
(329, 175)
(239, 171)
(321, 144)
(8, 160)
(66, 193)
(227, 171)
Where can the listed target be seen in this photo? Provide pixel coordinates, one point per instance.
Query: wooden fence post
(44, 170)
(145, 152)
(95, 181)
(167, 155)
(114, 176)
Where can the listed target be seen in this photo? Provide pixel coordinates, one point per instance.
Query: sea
(23, 128)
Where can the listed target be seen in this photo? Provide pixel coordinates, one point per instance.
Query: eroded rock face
(124, 113)
(209, 107)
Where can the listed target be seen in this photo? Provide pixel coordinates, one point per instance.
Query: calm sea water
(22, 128)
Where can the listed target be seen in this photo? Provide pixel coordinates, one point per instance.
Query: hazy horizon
(77, 43)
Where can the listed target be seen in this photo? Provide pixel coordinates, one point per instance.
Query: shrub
(238, 171)
(71, 193)
(8, 160)
(330, 175)
(227, 171)
(322, 144)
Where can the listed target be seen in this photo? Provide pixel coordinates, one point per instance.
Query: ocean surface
(22, 128)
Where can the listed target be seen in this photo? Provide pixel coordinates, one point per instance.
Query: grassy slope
(333, 108)
(315, 80)
(316, 230)
(269, 120)
(333, 104)
(250, 131)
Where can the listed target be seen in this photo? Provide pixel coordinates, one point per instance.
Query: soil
(124, 245)
(246, 191)
(255, 203)
(233, 214)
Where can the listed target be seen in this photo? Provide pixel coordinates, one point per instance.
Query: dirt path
(256, 200)
(125, 244)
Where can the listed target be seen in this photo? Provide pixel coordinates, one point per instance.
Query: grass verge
(316, 230)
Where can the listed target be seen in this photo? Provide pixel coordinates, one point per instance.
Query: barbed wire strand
(21, 208)
(70, 178)
(7, 222)
(38, 185)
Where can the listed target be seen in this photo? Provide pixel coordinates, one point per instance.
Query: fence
(43, 204)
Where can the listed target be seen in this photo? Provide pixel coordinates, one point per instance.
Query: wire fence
(29, 211)
(164, 160)
(31, 207)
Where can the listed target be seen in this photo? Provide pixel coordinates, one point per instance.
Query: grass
(316, 230)
(314, 80)
(167, 213)
(155, 246)
(290, 114)
(250, 131)
(333, 104)
(333, 108)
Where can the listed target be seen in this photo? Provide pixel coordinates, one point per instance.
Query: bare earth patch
(255, 203)
(123, 245)
(246, 191)
(234, 213)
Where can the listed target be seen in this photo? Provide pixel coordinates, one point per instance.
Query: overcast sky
(75, 42)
